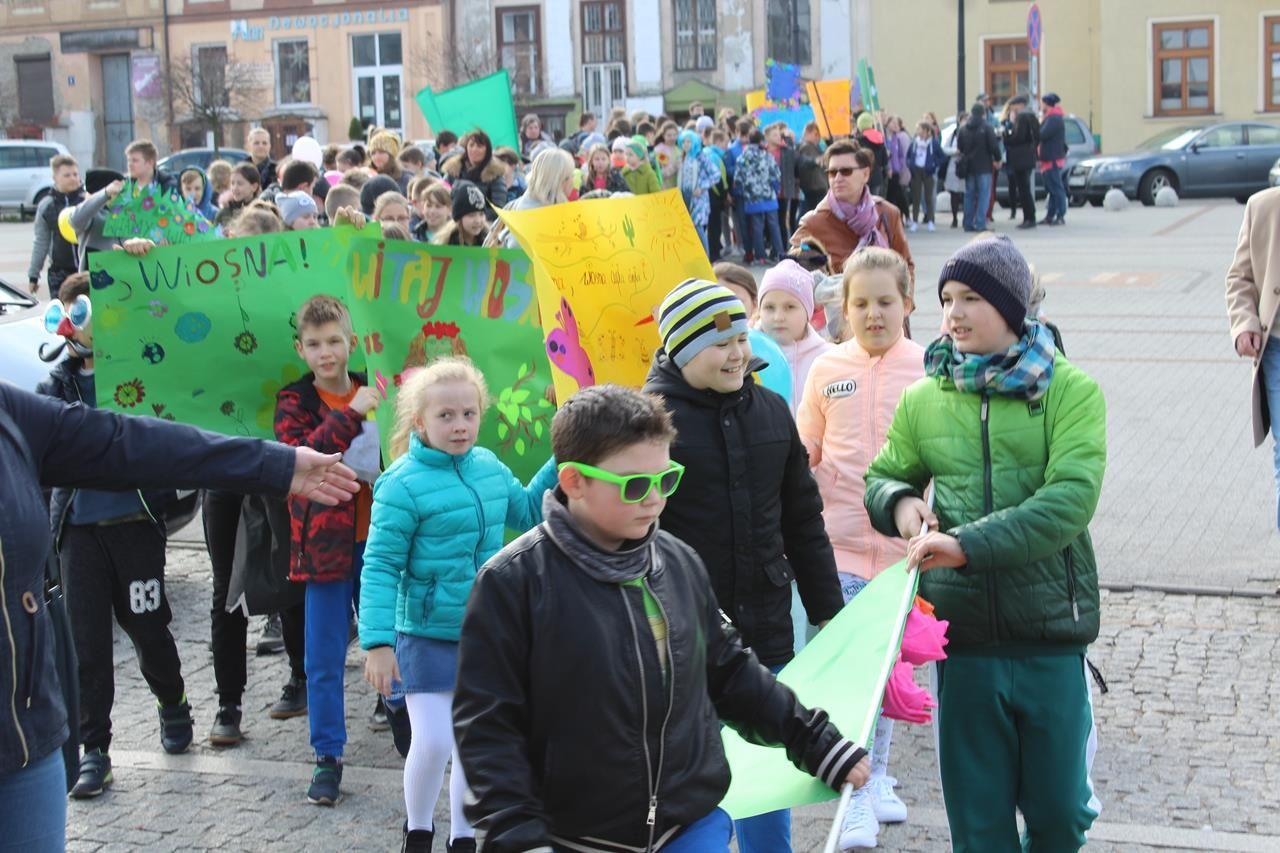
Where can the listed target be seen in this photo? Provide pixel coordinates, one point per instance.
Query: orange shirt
(364, 497)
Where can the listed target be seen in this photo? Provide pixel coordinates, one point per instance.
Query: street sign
(1035, 29)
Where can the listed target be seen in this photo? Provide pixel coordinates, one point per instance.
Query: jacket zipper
(1071, 584)
(652, 818)
(988, 502)
(671, 701)
(13, 663)
(875, 444)
(457, 469)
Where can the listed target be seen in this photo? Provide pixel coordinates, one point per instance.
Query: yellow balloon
(64, 225)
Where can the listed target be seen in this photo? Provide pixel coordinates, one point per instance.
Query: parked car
(24, 172)
(1080, 146)
(21, 334)
(1229, 159)
(1273, 177)
(200, 158)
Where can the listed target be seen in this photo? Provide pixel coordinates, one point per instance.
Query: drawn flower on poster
(130, 394)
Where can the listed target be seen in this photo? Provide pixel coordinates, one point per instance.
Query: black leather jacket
(567, 730)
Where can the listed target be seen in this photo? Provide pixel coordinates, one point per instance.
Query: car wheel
(1077, 201)
(1096, 202)
(1242, 199)
(1154, 181)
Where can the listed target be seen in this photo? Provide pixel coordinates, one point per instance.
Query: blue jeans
(1057, 207)
(1271, 382)
(977, 195)
(759, 222)
(34, 817)
(765, 833)
(740, 222)
(328, 621)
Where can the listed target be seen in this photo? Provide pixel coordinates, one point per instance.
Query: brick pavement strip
(1189, 754)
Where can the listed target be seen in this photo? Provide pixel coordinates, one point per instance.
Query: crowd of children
(662, 542)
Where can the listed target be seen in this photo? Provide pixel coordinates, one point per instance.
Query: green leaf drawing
(502, 431)
(520, 446)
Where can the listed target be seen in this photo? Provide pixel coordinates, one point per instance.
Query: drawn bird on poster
(564, 346)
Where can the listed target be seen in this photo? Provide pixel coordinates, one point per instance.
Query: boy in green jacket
(1013, 437)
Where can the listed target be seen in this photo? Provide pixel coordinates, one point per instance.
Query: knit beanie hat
(467, 198)
(703, 123)
(374, 187)
(385, 140)
(792, 279)
(638, 147)
(994, 269)
(620, 143)
(698, 314)
(294, 205)
(866, 121)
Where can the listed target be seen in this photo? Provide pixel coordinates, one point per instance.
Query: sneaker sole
(175, 750)
(263, 651)
(324, 801)
(225, 740)
(379, 727)
(78, 794)
(286, 715)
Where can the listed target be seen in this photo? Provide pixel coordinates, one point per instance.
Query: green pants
(1013, 735)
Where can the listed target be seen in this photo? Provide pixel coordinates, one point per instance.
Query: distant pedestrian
(980, 155)
(1021, 132)
(1053, 158)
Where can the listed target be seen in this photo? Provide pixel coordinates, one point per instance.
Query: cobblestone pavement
(1189, 750)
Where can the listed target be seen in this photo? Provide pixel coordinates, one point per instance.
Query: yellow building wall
(1127, 63)
(913, 52)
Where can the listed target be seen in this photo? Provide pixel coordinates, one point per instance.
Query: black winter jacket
(566, 728)
(749, 506)
(977, 142)
(61, 385)
(1053, 138)
(1021, 136)
(47, 443)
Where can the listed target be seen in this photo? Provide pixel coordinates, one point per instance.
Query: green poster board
(203, 333)
(484, 103)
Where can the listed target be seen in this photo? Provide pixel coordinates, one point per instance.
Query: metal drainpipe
(960, 95)
(168, 94)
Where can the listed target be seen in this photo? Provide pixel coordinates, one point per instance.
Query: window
(1075, 133)
(1264, 134)
(518, 40)
(1008, 69)
(293, 72)
(695, 35)
(1271, 63)
(209, 70)
(1183, 68)
(35, 89)
(1227, 136)
(376, 75)
(788, 22)
(603, 32)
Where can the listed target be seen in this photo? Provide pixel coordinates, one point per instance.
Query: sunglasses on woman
(78, 314)
(633, 487)
(843, 171)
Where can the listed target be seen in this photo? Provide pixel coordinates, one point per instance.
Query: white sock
(880, 746)
(431, 715)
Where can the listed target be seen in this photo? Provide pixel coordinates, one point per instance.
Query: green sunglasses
(633, 487)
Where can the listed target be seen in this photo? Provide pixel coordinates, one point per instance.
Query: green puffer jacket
(1017, 484)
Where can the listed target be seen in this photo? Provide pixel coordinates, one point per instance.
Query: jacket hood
(205, 204)
(633, 560)
(452, 168)
(666, 379)
(873, 136)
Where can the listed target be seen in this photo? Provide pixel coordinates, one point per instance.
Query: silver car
(25, 176)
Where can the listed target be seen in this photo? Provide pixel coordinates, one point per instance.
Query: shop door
(117, 108)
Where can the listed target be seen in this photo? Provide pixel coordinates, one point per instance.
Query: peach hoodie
(844, 419)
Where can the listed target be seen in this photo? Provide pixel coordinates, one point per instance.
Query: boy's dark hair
(76, 284)
(585, 119)
(600, 420)
(145, 147)
(644, 128)
(329, 159)
(248, 172)
(756, 137)
(413, 157)
(351, 157)
(298, 175)
(445, 139)
(321, 309)
(744, 126)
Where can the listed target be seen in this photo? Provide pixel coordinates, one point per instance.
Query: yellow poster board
(830, 102)
(756, 100)
(601, 267)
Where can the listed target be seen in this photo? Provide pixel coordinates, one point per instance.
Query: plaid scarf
(1022, 372)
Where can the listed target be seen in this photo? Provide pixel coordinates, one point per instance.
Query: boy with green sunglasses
(595, 665)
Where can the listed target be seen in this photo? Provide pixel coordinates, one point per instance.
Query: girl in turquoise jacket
(439, 513)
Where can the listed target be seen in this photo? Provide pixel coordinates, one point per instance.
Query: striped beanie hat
(697, 314)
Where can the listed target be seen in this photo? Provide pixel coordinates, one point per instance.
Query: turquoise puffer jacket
(436, 520)
(1017, 483)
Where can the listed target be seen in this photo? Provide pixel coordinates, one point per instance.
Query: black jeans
(714, 230)
(230, 631)
(1020, 192)
(117, 569)
(56, 277)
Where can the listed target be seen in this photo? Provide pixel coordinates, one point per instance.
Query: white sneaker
(912, 227)
(886, 804)
(929, 227)
(860, 825)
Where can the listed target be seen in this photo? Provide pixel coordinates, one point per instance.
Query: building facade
(94, 74)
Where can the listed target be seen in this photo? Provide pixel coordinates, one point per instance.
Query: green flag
(842, 670)
(485, 104)
(867, 83)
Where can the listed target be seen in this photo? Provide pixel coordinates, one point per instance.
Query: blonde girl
(439, 513)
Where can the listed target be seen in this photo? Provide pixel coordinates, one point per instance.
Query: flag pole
(833, 837)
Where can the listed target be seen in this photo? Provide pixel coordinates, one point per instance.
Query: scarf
(1021, 372)
(632, 561)
(862, 218)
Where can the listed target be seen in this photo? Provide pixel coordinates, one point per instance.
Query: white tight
(431, 715)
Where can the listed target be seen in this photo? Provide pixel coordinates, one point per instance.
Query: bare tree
(466, 61)
(213, 94)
